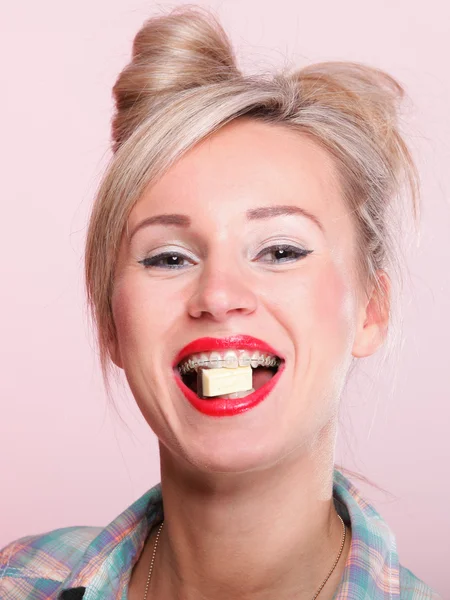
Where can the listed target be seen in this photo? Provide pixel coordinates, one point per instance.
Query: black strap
(72, 594)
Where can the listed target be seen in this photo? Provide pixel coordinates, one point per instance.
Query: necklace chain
(150, 571)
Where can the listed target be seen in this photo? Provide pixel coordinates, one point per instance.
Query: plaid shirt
(95, 564)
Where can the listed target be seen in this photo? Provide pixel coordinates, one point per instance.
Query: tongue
(261, 376)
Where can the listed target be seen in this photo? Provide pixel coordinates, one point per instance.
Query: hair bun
(185, 49)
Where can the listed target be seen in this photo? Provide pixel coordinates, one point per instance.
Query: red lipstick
(226, 407)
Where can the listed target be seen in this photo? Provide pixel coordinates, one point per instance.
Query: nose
(222, 291)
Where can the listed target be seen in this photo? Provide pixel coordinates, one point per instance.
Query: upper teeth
(229, 359)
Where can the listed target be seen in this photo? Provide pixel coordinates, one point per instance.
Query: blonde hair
(183, 84)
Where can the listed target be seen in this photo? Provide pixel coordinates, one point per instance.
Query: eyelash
(151, 262)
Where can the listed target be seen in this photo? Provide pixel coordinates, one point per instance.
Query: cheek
(329, 334)
(333, 305)
(136, 313)
(146, 316)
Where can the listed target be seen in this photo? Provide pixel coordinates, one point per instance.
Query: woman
(244, 223)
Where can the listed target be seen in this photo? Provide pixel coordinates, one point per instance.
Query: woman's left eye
(173, 260)
(284, 253)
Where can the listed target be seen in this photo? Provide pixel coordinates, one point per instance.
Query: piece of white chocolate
(217, 382)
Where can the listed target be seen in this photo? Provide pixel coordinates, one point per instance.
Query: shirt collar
(371, 570)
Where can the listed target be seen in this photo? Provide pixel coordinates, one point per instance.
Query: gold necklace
(150, 571)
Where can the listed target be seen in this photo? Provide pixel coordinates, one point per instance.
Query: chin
(233, 454)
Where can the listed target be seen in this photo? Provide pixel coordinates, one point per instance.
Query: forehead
(248, 163)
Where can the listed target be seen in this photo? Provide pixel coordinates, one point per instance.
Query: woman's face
(228, 279)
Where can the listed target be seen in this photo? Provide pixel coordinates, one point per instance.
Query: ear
(373, 317)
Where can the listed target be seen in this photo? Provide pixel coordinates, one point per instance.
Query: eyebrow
(254, 214)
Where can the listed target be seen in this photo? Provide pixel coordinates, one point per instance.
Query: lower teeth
(230, 396)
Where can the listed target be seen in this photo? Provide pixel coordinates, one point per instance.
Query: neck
(252, 536)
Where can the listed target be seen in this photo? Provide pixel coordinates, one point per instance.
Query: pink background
(67, 459)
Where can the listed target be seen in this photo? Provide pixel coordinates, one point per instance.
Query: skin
(248, 499)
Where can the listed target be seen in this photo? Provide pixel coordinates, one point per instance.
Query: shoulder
(413, 588)
(38, 563)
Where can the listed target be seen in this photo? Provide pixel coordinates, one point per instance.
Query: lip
(227, 407)
(208, 344)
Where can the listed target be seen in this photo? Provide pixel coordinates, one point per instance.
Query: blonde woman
(243, 224)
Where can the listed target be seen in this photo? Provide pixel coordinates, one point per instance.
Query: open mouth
(264, 379)
(208, 376)
(260, 376)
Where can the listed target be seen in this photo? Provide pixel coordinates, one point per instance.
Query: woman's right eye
(155, 262)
